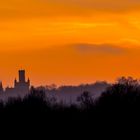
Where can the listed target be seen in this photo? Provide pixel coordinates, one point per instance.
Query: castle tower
(22, 86)
(22, 76)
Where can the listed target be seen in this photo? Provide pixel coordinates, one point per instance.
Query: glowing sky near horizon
(69, 41)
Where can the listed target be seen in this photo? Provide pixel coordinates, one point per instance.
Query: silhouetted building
(21, 86)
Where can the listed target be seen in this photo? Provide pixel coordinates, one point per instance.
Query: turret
(15, 82)
(1, 87)
(28, 81)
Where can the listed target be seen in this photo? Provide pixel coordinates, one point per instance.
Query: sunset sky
(69, 41)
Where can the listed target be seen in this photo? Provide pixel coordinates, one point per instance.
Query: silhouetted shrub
(121, 96)
(86, 101)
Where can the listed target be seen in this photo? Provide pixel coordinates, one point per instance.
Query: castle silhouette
(21, 86)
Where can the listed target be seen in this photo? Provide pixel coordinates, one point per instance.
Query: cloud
(26, 8)
(105, 5)
(99, 49)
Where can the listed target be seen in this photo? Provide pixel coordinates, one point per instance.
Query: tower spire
(1, 87)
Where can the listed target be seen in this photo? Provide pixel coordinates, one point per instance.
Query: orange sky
(69, 41)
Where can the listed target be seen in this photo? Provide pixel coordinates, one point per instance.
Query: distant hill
(67, 94)
(70, 93)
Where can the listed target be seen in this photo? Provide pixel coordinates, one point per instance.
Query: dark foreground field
(118, 107)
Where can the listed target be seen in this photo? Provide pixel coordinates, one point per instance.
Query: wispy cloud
(99, 49)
